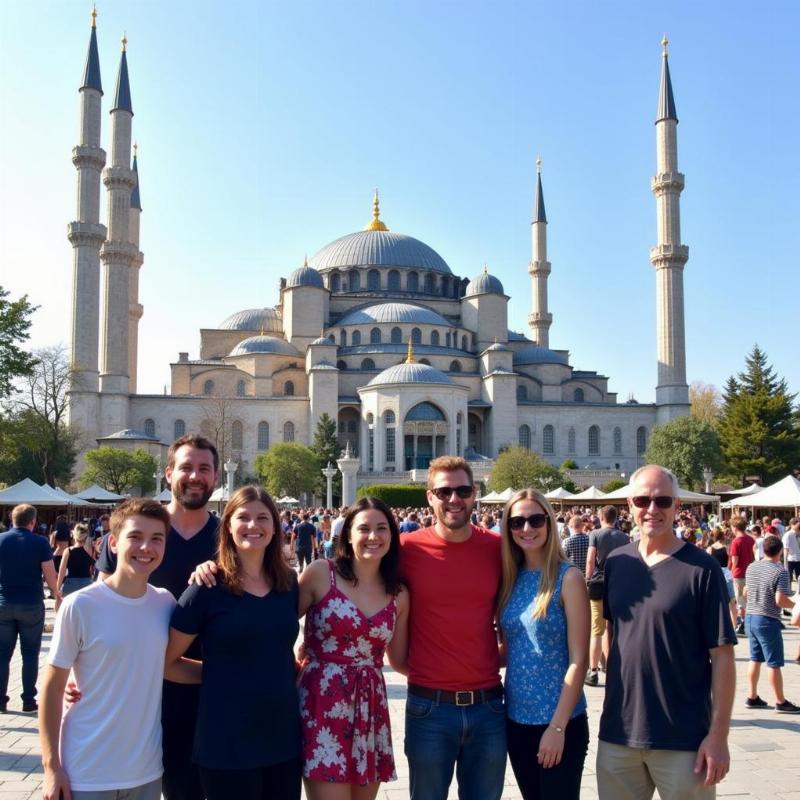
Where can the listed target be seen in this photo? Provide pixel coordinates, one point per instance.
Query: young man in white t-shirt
(113, 636)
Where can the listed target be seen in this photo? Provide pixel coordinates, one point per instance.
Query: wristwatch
(557, 728)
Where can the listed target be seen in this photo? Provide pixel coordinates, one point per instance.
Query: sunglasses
(534, 520)
(662, 501)
(446, 492)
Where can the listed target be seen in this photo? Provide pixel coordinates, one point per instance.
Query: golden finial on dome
(135, 148)
(124, 42)
(305, 260)
(665, 45)
(485, 269)
(410, 356)
(94, 16)
(376, 224)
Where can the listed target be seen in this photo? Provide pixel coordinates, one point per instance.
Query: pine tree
(760, 428)
(326, 448)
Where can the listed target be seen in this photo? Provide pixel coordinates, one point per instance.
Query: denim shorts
(766, 642)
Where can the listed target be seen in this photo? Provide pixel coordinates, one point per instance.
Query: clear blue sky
(264, 128)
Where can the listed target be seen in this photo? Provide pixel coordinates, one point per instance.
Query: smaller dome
(539, 355)
(264, 344)
(324, 340)
(305, 276)
(484, 284)
(393, 313)
(497, 348)
(253, 319)
(410, 373)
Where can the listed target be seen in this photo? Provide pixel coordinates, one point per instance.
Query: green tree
(704, 401)
(613, 485)
(686, 446)
(518, 467)
(288, 467)
(120, 471)
(327, 450)
(570, 463)
(759, 427)
(15, 323)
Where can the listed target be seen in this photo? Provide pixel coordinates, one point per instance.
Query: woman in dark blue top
(247, 740)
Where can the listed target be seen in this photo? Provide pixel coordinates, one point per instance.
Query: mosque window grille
(354, 280)
(594, 441)
(435, 338)
(367, 364)
(393, 281)
(464, 343)
(342, 338)
(288, 389)
(237, 435)
(179, 429)
(617, 441)
(525, 437)
(241, 387)
(455, 366)
(548, 440)
(579, 396)
(375, 336)
(416, 336)
(263, 436)
(429, 283)
(208, 388)
(373, 280)
(412, 282)
(341, 364)
(356, 338)
(150, 427)
(571, 447)
(336, 282)
(396, 336)
(522, 394)
(641, 440)
(288, 431)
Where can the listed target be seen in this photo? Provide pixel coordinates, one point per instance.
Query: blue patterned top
(538, 655)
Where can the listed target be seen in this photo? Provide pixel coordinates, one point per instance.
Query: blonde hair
(80, 532)
(513, 557)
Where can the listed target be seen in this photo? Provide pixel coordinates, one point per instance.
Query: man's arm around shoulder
(713, 751)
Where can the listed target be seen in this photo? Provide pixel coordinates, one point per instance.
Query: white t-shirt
(115, 645)
(791, 542)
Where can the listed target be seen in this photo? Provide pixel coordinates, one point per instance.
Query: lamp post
(329, 473)
(157, 479)
(230, 470)
(708, 476)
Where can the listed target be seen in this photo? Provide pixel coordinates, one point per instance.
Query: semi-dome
(305, 276)
(264, 344)
(410, 373)
(253, 319)
(484, 284)
(393, 313)
(539, 355)
(324, 340)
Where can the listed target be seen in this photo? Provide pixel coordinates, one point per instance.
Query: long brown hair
(275, 566)
(513, 557)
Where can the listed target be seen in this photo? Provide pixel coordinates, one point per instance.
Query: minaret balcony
(136, 311)
(539, 268)
(667, 182)
(119, 252)
(86, 234)
(669, 255)
(119, 178)
(87, 156)
(536, 318)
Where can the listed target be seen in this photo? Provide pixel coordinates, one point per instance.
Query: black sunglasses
(534, 520)
(662, 501)
(446, 492)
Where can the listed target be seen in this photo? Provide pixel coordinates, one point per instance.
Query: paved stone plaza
(765, 746)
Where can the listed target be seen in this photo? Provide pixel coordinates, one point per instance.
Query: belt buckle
(469, 701)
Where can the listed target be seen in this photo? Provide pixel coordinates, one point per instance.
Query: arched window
(522, 393)
(571, 440)
(396, 336)
(594, 441)
(150, 427)
(459, 426)
(391, 446)
(389, 417)
(370, 418)
(393, 281)
(263, 436)
(435, 338)
(336, 282)
(445, 290)
(641, 440)
(416, 336)
(374, 280)
(548, 440)
(351, 426)
(448, 339)
(412, 282)
(178, 429)
(455, 366)
(424, 361)
(354, 278)
(342, 338)
(356, 338)
(288, 431)
(579, 396)
(237, 435)
(341, 364)
(429, 283)
(288, 388)
(525, 437)
(463, 342)
(367, 363)
(208, 388)
(617, 441)
(375, 336)
(240, 388)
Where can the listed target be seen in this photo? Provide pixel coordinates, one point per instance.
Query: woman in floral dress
(356, 609)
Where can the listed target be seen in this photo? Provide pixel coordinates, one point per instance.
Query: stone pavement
(765, 746)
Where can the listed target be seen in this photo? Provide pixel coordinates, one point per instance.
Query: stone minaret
(136, 308)
(540, 319)
(668, 257)
(86, 235)
(117, 255)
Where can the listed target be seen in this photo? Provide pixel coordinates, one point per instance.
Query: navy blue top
(249, 714)
(305, 534)
(21, 556)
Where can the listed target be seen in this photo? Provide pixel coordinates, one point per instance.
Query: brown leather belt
(467, 697)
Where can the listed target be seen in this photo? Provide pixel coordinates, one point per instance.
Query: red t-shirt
(742, 547)
(453, 590)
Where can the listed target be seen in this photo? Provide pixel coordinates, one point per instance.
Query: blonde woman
(77, 563)
(544, 622)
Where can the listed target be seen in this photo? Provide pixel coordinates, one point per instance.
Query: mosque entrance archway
(475, 433)
(348, 427)
(424, 435)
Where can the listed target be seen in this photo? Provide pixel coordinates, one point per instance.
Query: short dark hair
(772, 545)
(22, 515)
(192, 440)
(138, 507)
(608, 514)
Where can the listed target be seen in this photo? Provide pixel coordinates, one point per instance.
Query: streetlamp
(329, 473)
(230, 470)
(708, 476)
(157, 479)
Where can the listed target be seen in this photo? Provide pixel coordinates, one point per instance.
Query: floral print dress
(345, 714)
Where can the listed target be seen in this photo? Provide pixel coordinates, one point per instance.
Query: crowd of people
(175, 644)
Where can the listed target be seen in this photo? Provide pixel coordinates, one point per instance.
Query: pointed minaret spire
(136, 201)
(666, 102)
(540, 319)
(539, 214)
(122, 97)
(91, 72)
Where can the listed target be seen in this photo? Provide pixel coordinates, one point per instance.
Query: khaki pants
(632, 773)
(598, 620)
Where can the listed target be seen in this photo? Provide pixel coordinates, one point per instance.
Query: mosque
(376, 329)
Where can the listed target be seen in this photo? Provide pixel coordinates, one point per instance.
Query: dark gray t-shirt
(666, 618)
(606, 540)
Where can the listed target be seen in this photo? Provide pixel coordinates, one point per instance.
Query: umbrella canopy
(27, 491)
(592, 493)
(99, 495)
(783, 494)
(559, 494)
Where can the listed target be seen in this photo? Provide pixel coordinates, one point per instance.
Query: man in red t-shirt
(454, 712)
(741, 556)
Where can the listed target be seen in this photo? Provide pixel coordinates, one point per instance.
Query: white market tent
(751, 489)
(164, 497)
(783, 494)
(66, 499)
(288, 501)
(97, 494)
(559, 494)
(219, 495)
(498, 497)
(27, 491)
(592, 493)
(684, 495)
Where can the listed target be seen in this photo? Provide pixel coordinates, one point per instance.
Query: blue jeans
(440, 736)
(27, 622)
